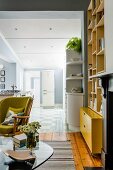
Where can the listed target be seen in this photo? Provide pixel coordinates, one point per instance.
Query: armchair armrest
(21, 117)
(16, 117)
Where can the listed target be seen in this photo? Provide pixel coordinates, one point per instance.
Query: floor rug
(62, 158)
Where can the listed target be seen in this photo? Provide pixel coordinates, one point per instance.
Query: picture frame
(2, 79)
(2, 86)
(2, 72)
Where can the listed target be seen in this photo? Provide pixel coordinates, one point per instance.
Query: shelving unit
(74, 88)
(96, 53)
(74, 72)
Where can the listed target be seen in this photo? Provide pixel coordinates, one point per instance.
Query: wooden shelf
(101, 22)
(90, 6)
(90, 26)
(99, 72)
(94, 53)
(90, 42)
(94, 29)
(74, 62)
(94, 12)
(96, 56)
(101, 52)
(94, 68)
(99, 87)
(101, 7)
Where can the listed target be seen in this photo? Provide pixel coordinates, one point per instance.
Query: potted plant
(74, 44)
(31, 129)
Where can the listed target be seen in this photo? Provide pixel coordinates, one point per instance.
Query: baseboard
(73, 128)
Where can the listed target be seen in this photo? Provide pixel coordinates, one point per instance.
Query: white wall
(19, 76)
(109, 34)
(27, 79)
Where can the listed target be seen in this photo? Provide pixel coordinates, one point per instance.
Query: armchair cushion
(10, 113)
(6, 129)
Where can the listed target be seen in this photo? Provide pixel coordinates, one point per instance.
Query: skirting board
(75, 129)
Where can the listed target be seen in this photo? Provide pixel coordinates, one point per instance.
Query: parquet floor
(81, 153)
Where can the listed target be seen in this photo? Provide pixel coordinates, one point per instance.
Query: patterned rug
(62, 158)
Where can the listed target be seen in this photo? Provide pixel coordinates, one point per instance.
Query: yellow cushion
(16, 110)
(6, 129)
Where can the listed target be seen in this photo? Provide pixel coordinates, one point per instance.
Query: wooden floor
(81, 153)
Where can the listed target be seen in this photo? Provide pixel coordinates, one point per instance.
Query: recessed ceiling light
(50, 28)
(16, 28)
(24, 46)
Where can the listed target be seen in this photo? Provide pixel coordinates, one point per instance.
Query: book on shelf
(20, 139)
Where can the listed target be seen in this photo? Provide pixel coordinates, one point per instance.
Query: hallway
(51, 120)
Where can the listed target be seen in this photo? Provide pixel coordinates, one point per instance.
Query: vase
(31, 141)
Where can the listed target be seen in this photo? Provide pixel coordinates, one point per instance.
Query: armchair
(14, 102)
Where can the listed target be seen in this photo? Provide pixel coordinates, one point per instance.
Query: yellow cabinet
(91, 129)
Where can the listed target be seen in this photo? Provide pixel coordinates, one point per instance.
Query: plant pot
(31, 141)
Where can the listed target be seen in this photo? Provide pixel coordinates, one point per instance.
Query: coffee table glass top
(42, 153)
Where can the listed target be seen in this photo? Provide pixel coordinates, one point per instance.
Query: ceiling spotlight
(24, 46)
(50, 29)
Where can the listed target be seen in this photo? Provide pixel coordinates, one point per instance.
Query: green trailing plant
(74, 44)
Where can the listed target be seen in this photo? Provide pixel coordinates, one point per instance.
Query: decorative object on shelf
(77, 90)
(31, 131)
(74, 44)
(2, 72)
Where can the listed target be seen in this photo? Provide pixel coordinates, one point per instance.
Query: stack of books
(19, 140)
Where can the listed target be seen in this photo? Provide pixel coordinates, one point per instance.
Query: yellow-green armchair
(15, 105)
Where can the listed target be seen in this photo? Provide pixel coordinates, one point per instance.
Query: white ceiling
(40, 42)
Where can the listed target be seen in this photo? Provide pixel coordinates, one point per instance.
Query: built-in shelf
(101, 7)
(96, 57)
(74, 62)
(101, 22)
(94, 68)
(94, 11)
(90, 26)
(90, 42)
(74, 78)
(100, 52)
(76, 93)
(94, 52)
(94, 29)
(93, 93)
(90, 6)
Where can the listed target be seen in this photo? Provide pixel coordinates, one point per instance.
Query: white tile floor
(51, 120)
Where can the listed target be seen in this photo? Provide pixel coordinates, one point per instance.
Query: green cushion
(6, 129)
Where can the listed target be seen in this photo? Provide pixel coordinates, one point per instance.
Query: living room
(98, 90)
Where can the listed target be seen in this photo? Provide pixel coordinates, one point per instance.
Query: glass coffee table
(42, 153)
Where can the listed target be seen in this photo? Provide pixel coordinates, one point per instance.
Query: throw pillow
(10, 113)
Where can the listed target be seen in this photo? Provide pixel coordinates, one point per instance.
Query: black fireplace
(107, 129)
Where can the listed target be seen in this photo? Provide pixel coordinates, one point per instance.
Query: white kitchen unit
(74, 103)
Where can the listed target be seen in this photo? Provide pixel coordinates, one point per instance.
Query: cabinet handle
(84, 126)
(84, 113)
